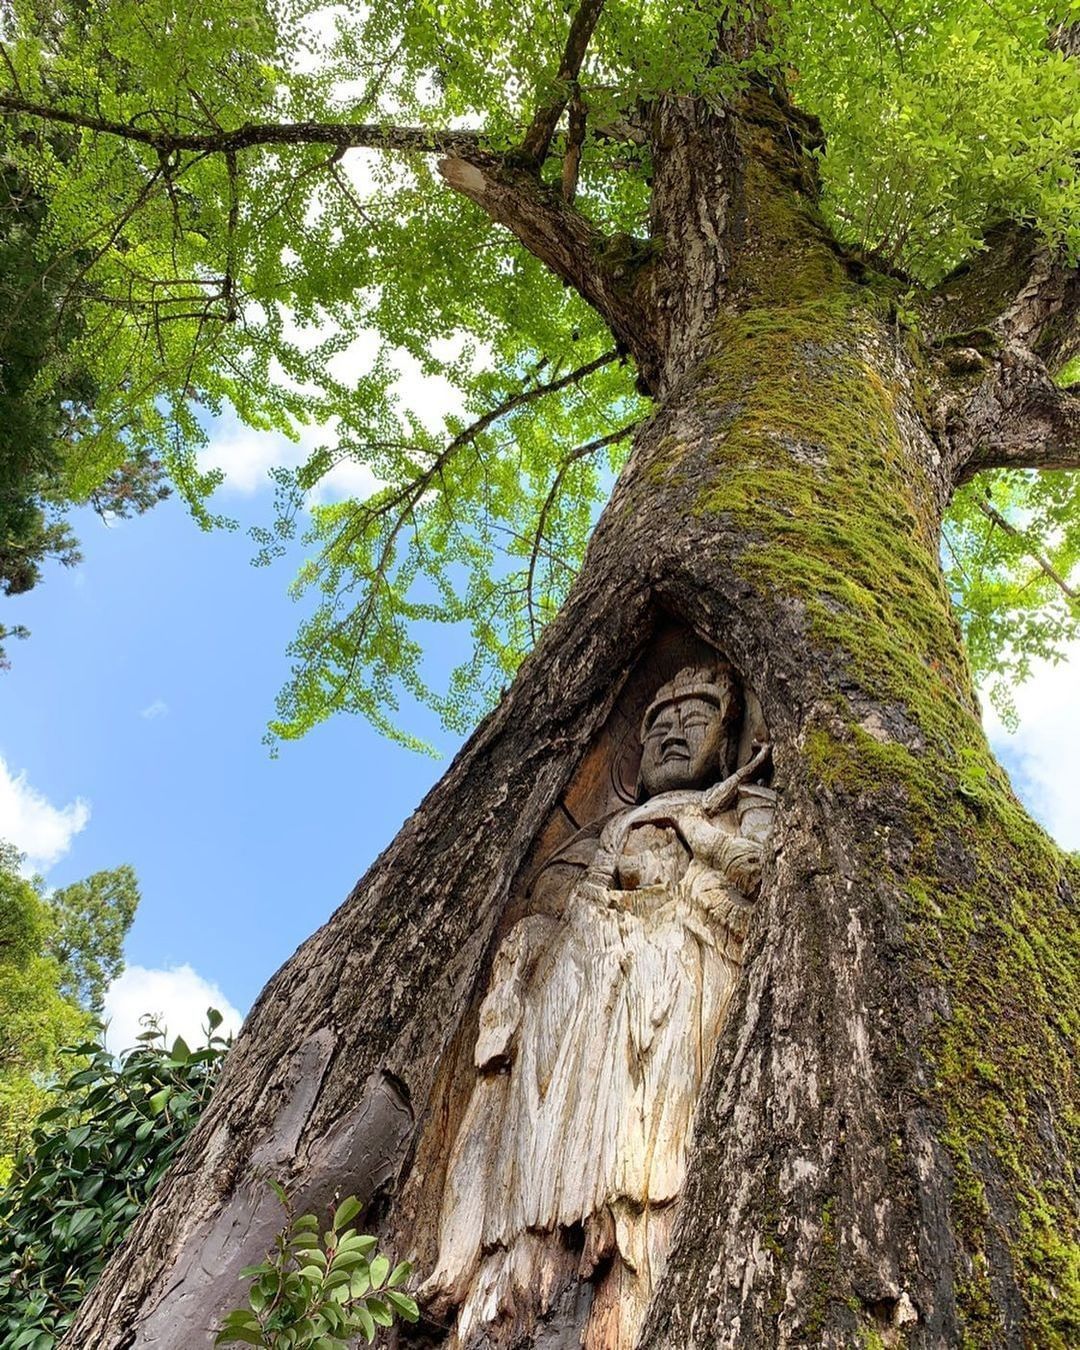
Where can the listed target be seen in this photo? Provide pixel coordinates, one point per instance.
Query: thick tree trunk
(882, 1153)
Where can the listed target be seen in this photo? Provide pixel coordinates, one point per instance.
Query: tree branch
(1015, 290)
(411, 492)
(574, 141)
(606, 271)
(581, 452)
(346, 135)
(385, 515)
(228, 285)
(994, 515)
(537, 140)
(1017, 419)
(998, 329)
(602, 269)
(1066, 38)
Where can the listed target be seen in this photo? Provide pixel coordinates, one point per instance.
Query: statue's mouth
(675, 752)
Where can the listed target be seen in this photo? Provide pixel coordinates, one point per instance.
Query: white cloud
(178, 997)
(431, 397)
(30, 821)
(347, 479)
(1043, 754)
(246, 456)
(359, 356)
(156, 709)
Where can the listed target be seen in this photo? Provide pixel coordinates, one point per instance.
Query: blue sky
(144, 692)
(130, 730)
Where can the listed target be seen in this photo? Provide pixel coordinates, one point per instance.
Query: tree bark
(884, 1151)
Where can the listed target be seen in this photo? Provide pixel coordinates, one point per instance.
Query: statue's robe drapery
(594, 1038)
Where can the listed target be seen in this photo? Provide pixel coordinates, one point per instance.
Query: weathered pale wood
(594, 1037)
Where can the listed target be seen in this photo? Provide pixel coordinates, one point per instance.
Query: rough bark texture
(998, 329)
(884, 1149)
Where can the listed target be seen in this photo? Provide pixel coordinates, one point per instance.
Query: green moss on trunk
(821, 464)
(813, 461)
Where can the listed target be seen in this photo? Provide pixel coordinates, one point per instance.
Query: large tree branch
(1017, 418)
(1016, 289)
(603, 270)
(538, 137)
(345, 135)
(606, 271)
(999, 328)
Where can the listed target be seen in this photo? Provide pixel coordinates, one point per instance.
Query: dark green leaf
(348, 1209)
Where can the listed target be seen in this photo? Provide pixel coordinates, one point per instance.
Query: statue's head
(689, 734)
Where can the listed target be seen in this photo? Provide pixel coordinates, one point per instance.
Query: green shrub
(317, 1294)
(92, 1161)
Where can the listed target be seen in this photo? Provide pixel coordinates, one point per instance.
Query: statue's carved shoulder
(554, 879)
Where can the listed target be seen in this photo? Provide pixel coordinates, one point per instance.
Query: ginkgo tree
(803, 276)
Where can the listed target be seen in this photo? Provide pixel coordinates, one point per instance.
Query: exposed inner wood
(598, 1025)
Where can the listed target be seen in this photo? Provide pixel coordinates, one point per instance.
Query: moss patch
(992, 921)
(812, 462)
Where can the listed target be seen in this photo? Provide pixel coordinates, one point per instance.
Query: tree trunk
(882, 1151)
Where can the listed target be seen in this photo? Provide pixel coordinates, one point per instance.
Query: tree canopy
(58, 952)
(257, 206)
(46, 395)
(29, 430)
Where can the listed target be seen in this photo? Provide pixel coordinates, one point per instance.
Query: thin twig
(228, 288)
(572, 458)
(405, 501)
(992, 514)
(410, 493)
(11, 69)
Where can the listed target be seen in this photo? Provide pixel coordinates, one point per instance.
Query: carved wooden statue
(595, 1035)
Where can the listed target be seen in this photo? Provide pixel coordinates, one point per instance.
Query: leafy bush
(312, 1294)
(91, 1163)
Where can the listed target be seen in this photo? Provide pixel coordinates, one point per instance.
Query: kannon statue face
(686, 735)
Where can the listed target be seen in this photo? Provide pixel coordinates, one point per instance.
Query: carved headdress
(715, 683)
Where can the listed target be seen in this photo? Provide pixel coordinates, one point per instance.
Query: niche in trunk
(552, 1165)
